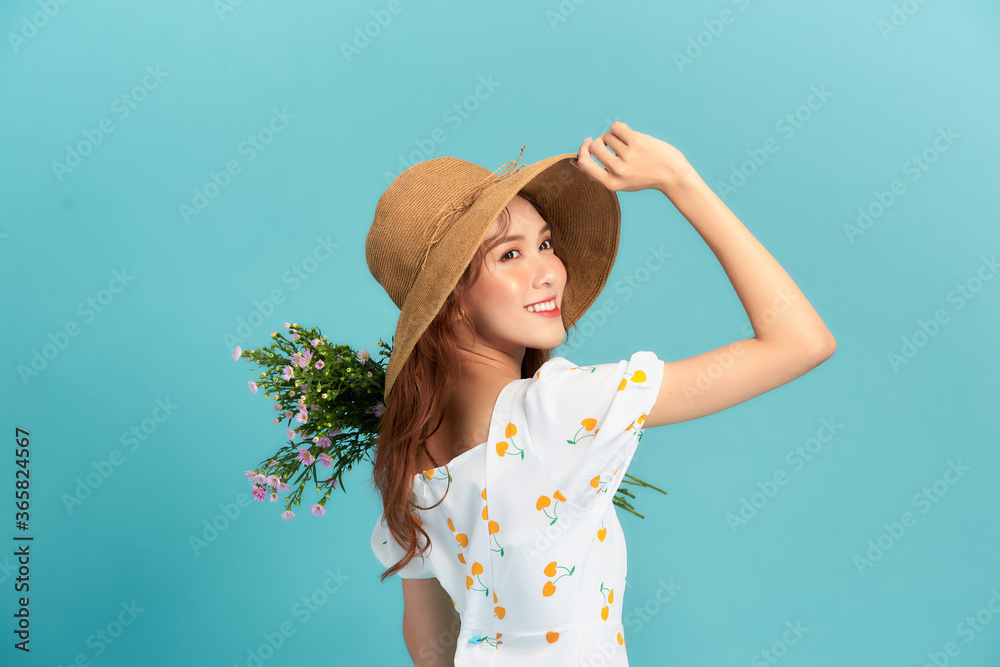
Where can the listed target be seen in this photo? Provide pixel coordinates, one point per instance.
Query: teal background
(561, 73)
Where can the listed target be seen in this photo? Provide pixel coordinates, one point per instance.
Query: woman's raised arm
(790, 338)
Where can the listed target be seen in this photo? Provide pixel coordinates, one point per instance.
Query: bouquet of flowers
(335, 395)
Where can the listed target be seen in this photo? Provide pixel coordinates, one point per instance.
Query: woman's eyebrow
(520, 237)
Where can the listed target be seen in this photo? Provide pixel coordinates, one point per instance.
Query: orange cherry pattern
(472, 580)
(565, 580)
(609, 598)
(504, 445)
(544, 502)
(492, 526)
(551, 570)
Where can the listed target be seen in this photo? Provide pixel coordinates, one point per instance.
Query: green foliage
(337, 390)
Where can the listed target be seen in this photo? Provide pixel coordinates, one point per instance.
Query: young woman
(497, 463)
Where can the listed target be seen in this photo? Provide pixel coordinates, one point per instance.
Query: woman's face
(516, 273)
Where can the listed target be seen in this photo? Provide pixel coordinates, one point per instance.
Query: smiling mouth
(543, 307)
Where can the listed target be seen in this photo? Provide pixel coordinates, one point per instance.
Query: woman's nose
(546, 269)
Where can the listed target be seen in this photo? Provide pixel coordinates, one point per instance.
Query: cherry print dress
(527, 541)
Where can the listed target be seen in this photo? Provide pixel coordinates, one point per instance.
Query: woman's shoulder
(576, 368)
(561, 381)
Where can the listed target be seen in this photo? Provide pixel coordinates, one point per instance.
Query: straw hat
(434, 216)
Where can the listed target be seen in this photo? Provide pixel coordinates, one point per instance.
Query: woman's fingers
(622, 131)
(631, 160)
(599, 150)
(581, 154)
(614, 143)
(583, 161)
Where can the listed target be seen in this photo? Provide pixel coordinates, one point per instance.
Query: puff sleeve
(388, 552)
(586, 422)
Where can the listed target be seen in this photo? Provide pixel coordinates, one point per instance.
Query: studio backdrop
(182, 179)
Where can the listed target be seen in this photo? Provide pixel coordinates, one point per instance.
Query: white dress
(527, 541)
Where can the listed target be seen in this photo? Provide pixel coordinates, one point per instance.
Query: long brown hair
(416, 399)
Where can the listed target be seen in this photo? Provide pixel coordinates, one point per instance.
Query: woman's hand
(639, 161)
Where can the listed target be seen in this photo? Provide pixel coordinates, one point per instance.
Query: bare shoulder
(732, 374)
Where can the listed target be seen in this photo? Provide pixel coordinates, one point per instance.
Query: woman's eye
(506, 255)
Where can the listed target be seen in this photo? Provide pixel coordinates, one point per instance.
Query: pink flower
(276, 407)
(325, 459)
(319, 364)
(273, 463)
(318, 509)
(362, 355)
(315, 342)
(288, 515)
(250, 473)
(286, 325)
(237, 353)
(272, 480)
(302, 358)
(287, 372)
(294, 336)
(259, 479)
(259, 493)
(274, 497)
(253, 386)
(282, 487)
(302, 417)
(323, 442)
(290, 433)
(305, 456)
(379, 409)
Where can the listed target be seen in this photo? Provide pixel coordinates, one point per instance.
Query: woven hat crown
(414, 213)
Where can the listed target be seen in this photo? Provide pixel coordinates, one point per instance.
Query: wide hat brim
(587, 219)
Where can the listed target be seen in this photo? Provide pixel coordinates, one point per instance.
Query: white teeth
(548, 305)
